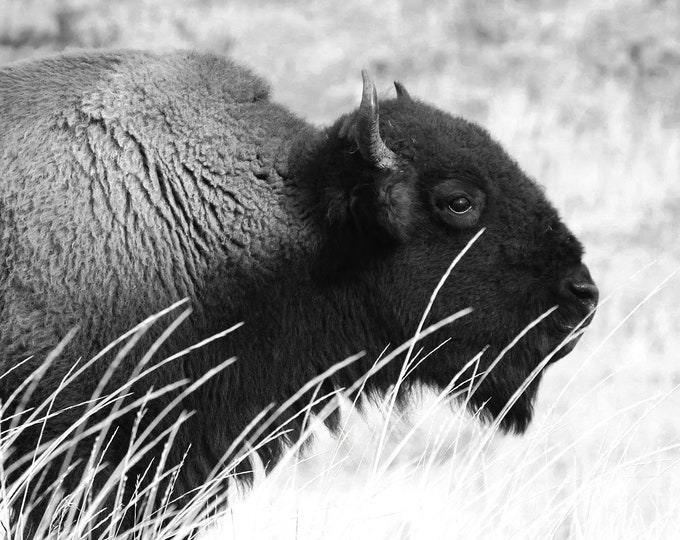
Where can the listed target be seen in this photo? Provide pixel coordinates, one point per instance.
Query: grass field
(586, 96)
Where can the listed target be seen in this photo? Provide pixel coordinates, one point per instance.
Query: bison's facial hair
(494, 384)
(500, 383)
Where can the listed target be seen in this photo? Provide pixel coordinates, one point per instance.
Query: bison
(132, 180)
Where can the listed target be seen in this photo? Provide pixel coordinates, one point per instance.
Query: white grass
(427, 472)
(76, 514)
(81, 508)
(447, 477)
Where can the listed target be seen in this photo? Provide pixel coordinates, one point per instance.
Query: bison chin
(563, 331)
(506, 393)
(495, 401)
(503, 395)
(503, 390)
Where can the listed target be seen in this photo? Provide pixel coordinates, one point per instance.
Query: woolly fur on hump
(137, 172)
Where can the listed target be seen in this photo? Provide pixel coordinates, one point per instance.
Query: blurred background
(586, 96)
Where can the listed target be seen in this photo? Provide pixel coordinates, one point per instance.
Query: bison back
(132, 180)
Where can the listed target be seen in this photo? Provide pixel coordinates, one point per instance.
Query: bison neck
(292, 333)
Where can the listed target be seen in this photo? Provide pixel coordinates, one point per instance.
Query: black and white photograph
(314, 270)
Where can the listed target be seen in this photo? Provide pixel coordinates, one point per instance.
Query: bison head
(402, 194)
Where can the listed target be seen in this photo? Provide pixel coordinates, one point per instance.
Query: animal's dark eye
(460, 205)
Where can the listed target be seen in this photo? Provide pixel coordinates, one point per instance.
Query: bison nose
(578, 285)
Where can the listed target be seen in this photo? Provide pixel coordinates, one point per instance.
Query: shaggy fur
(132, 180)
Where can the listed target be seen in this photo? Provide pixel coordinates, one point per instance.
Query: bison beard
(132, 180)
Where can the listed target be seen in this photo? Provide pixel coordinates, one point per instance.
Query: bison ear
(385, 209)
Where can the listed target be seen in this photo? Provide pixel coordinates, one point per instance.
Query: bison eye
(460, 205)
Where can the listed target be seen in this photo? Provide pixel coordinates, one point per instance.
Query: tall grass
(86, 512)
(445, 475)
(80, 511)
(92, 506)
(455, 463)
(96, 509)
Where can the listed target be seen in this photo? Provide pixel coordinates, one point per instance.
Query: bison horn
(402, 93)
(372, 147)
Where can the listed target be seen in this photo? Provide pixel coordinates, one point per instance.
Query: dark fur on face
(513, 274)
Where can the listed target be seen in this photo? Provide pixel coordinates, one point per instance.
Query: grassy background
(586, 95)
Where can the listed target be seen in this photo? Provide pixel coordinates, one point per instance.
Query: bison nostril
(584, 291)
(578, 285)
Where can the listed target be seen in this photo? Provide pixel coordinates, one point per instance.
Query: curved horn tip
(370, 94)
(402, 93)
